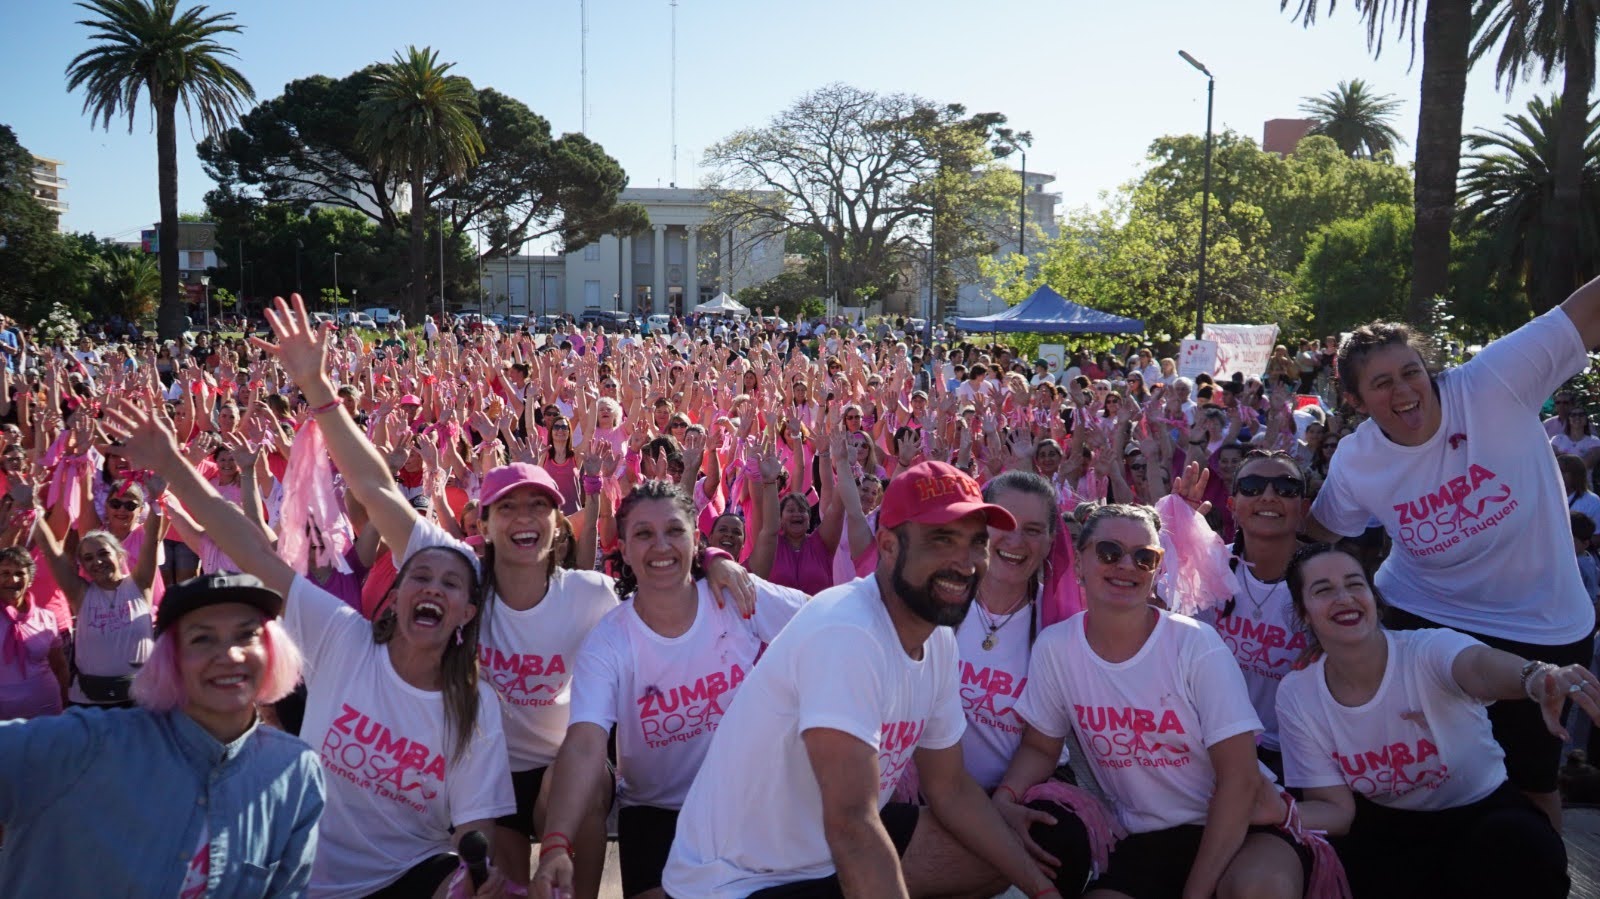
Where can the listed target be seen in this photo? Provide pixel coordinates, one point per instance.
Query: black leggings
(1501, 845)
(423, 879)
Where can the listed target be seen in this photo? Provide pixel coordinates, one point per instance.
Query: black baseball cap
(213, 590)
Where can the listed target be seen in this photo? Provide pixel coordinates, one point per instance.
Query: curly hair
(1368, 339)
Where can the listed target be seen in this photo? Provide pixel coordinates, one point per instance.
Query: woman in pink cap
(536, 613)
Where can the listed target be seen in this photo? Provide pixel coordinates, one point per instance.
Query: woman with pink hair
(238, 803)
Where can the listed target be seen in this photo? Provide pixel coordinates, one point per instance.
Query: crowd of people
(818, 611)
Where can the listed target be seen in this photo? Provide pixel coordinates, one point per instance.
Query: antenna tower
(583, 62)
(674, 113)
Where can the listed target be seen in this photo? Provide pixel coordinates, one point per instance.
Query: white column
(625, 289)
(658, 270)
(691, 285)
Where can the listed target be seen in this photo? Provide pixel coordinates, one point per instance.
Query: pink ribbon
(1195, 574)
(14, 648)
(309, 498)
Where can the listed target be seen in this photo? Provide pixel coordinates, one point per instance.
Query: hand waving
(302, 346)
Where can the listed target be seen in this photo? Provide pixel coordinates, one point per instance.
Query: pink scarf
(63, 486)
(308, 497)
(1195, 574)
(14, 649)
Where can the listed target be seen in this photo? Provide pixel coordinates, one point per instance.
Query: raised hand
(147, 440)
(302, 347)
(1191, 486)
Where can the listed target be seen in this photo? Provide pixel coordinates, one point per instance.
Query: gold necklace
(993, 627)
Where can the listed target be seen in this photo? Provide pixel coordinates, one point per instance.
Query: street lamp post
(299, 287)
(336, 294)
(1205, 196)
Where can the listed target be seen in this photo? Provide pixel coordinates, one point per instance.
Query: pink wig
(158, 686)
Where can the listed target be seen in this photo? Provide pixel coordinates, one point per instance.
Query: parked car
(357, 320)
(546, 324)
(498, 320)
(382, 315)
(774, 321)
(516, 321)
(657, 322)
(320, 318)
(606, 319)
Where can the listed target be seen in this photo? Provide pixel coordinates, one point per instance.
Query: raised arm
(1583, 307)
(148, 443)
(155, 530)
(302, 350)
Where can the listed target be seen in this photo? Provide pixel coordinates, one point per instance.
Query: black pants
(423, 878)
(1500, 846)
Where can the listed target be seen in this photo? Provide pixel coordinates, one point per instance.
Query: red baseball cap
(937, 493)
(507, 478)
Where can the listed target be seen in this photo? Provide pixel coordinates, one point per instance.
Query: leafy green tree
(1546, 35)
(1356, 119)
(866, 174)
(1509, 189)
(149, 47)
(129, 283)
(419, 121)
(1358, 270)
(1446, 39)
(38, 266)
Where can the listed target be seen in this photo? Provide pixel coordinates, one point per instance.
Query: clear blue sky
(1094, 81)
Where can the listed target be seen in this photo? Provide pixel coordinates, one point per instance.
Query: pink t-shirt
(28, 688)
(806, 569)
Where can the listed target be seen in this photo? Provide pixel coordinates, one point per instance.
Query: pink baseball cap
(501, 481)
(936, 493)
(410, 399)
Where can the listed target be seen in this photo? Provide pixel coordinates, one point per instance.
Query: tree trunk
(1446, 37)
(173, 308)
(1561, 276)
(419, 278)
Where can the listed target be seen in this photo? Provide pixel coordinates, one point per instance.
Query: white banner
(1242, 348)
(1196, 356)
(1053, 353)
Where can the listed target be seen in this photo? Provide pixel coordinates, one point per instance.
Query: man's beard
(921, 601)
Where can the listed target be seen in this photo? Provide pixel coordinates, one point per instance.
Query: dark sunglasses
(1145, 558)
(125, 505)
(1256, 484)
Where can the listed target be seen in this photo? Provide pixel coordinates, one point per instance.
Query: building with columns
(673, 266)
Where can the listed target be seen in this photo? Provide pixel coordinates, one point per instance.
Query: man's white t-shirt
(1147, 723)
(1265, 640)
(528, 655)
(1475, 511)
(666, 695)
(753, 818)
(1420, 744)
(394, 787)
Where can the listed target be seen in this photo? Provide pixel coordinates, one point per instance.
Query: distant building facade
(977, 297)
(1281, 136)
(48, 185)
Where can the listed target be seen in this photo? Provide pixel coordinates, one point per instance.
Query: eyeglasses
(1145, 558)
(1283, 485)
(125, 505)
(853, 416)
(1138, 467)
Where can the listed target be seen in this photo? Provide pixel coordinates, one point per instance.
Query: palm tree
(1545, 34)
(1446, 38)
(129, 282)
(421, 124)
(1510, 186)
(1355, 118)
(147, 46)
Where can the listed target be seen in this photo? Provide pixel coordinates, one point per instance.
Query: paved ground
(1583, 851)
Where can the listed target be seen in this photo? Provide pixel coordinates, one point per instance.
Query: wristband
(1529, 671)
(591, 484)
(1045, 892)
(548, 845)
(329, 406)
(713, 553)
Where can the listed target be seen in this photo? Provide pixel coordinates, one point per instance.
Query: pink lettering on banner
(367, 753)
(524, 679)
(1462, 507)
(681, 713)
(1394, 770)
(982, 688)
(1254, 643)
(1124, 736)
(896, 742)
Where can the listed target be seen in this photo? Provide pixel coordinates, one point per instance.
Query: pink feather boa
(1195, 574)
(309, 497)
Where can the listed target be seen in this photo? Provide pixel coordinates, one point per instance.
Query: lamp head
(1195, 62)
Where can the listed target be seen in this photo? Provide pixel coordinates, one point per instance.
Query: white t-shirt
(1561, 443)
(1146, 723)
(1475, 510)
(991, 685)
(393, 788)
(753, 818)
(1265, 640)
(528, 655)
(667, 695)
(1420, 744)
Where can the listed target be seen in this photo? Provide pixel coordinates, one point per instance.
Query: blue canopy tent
(1049, 312)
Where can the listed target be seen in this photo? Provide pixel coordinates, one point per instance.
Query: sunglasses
(125, 505)
(1145, 558)
(1255, 484)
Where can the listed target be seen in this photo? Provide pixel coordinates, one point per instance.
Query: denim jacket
(113, 802)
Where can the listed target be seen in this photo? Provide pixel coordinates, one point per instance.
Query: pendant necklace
(992, 626)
